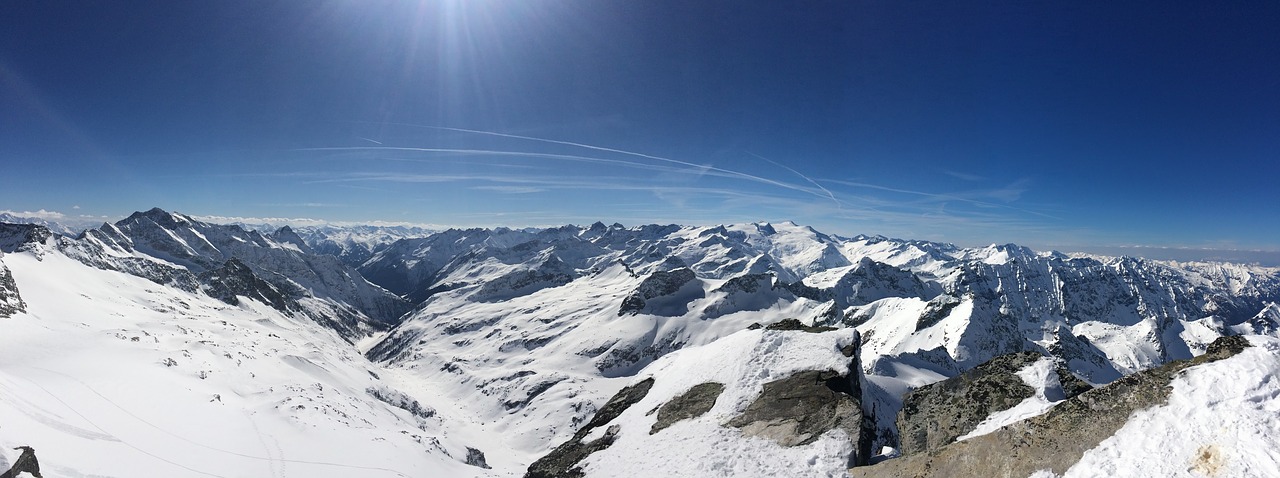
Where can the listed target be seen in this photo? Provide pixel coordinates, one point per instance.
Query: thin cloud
(798, 173)
(510, 189)
(41, 214)
(695, 166)
(964, 176)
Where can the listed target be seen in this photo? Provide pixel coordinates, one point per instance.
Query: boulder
(798, 409)
(691, 404)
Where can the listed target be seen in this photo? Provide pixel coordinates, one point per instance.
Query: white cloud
(41, 214)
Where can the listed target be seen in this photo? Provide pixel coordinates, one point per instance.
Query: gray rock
(10, 301)
(691, 404)
(794, 324)
(235, 279)
(17, 237)
(656, 285)
(1057, 439)
(1071, 384)
(798, 409)
(933, 416)
(26, 463)
(476, 458)
(563, 461)
(937, 309)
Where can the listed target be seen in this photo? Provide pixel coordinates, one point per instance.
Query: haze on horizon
(1053, 126)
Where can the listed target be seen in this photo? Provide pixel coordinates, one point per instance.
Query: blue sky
(1053, 124)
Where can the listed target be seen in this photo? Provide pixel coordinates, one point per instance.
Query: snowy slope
(109, 374)
(743, 362)
(1222, 419)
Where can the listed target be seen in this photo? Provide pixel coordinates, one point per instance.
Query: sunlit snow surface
(743, 362)
(112, 375)
(1222, 420)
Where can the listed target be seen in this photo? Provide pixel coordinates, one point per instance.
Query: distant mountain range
(509, 341)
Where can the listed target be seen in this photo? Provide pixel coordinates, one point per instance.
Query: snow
(1041, 377)
(743, 362)
(112, 375)
(1222, 419)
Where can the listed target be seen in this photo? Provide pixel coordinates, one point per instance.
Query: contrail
(369, 140)
(806, 178)
(941, 196)
(702, 167)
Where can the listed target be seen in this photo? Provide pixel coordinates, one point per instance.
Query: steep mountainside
(174, 249)
(533, 320)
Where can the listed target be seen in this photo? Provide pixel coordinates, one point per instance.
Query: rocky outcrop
(933, 416)
(10, 301)
(936, 309)
(796, 410)
(792, 324)
(234, 279)
(14, 237)
(563, 461)
(550, 272)
(1057, 439)
(691, 404)
(659, 284)
(476, 458)
(26, 463)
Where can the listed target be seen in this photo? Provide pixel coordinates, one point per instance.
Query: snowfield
(109, 374)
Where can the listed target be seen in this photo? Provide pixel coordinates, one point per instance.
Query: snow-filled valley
(163, 345)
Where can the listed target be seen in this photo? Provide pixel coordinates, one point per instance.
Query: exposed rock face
(1071, 384)
(26, 463)
(10, 302)
(691, 404)
(476, 458)
(937, 309)
(658, 284)
(798, 409)
(563, 461)
(934, 415)
(793, 324)
(1057, 439)
(14, 236)
(869, 281)
(550, 272)
(236, 279)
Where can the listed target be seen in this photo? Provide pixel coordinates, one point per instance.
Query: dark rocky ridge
(10, 301)
(562, 462)
(933, 416)
(1057, 439)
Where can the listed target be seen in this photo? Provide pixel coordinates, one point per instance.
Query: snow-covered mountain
(516, 339)
(229, 261)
